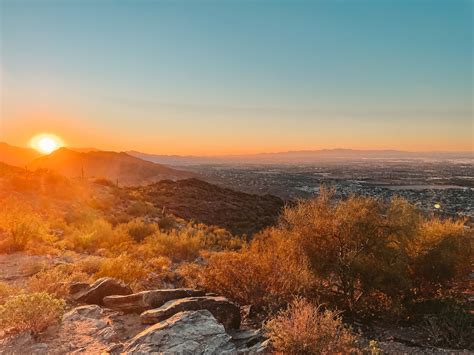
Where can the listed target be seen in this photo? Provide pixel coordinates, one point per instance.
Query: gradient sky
(218, 77)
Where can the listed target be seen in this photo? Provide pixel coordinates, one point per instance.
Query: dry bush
(366, 256)
(96, 235)
(126, 268)
(176, 245)
(140, 209)
(306, 329)
(56, 280)
(361, 246)
(21, 227)
(6, 291)
(160, 264)
(138, 229)
(267, 274)
(441, 253)
(214, 238)
(90, 265)
(31, 312)
(167, 223)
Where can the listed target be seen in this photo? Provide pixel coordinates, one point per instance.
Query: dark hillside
(193, 199)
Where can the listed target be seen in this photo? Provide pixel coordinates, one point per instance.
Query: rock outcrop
(225, 311)
(95, 293)
(250, 341)
(193, 332)
(142, 301)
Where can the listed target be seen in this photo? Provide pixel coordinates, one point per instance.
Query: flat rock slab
(225, 311)
(102, 288)
(142, 301)
(192, 332)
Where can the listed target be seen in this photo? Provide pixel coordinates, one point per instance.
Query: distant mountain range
(17, 156)
(302, 157)
(91, 163)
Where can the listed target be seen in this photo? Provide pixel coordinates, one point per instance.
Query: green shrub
(306, 329)
(31, 312)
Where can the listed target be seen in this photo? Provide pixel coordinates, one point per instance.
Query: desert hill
(193, 199)
(121, 167)
(17, 156)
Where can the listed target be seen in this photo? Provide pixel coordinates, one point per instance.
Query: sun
(46, 143)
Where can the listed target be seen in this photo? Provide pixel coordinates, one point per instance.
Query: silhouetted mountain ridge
(17, 156)
(115, 166)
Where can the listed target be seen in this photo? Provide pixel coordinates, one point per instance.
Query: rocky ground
(114, 320)
(107, 317)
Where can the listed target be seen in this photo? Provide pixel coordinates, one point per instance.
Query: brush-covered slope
(193, 199)
(16, 156)
(126, 169)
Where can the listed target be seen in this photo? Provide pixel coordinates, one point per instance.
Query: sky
(238, 76)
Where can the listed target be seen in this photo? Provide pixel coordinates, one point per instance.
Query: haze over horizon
(238, 77)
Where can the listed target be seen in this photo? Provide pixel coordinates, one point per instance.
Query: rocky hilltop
(193, 199)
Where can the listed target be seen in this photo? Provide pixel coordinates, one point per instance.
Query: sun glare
(46, 143)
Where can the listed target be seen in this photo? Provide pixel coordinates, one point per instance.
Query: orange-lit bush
(31, 312)
(362, 253)
(21, 227)
(307, 329)
(267, 274)
(124, 267)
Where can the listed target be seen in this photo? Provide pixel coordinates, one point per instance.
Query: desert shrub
(367, 257)
(96, 235)
(307, 329)
(167, 223)
(80, 216)
(6, 291)
(138, 229)
(441, 253)
(90, 265)
(124, 267)
(31, 312)
(176, 245)
(267, 274)
(56, 280)
(20, 226)
(362, 246)
(140, 208)
(214, 238)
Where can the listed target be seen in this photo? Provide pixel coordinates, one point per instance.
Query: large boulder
(194, 332)
(221, 308)
(142, 301)
(103, 287)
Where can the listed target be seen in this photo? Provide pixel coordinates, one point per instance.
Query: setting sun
(46, 143)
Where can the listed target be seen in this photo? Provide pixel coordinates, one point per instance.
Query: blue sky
(209, 77)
